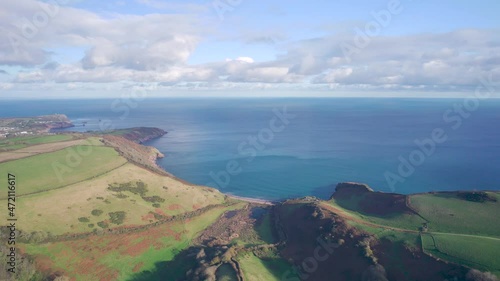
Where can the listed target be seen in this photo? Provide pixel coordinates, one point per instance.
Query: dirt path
(251, 200)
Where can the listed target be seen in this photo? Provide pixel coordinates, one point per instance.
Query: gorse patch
(139, 187)
(117, 217)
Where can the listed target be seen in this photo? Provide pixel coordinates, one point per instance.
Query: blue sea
(282, 148)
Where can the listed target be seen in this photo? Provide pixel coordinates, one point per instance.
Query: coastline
(252, 200)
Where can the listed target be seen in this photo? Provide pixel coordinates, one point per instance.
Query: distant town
(14, 127)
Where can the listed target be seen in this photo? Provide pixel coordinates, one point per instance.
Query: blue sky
(72, 48)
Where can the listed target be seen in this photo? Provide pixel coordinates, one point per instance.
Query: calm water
(327, 141)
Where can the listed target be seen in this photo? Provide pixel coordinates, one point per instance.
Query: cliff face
(144, 156)
(57, 121)
(351, 188)
(140, 134)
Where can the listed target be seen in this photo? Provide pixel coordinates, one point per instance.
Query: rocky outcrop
(351, 188)
(140, 134)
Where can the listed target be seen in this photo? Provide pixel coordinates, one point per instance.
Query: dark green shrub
(153, 199)
(117, 217)
(139, 188)
(102, 224)
(96, 212)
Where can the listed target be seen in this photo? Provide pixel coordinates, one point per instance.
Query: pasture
(256, 269)
(122, 256)
(448, 213)
(396, 219)
(80, 199)
(40, 148)
(20, 142)
(53, 170)
(477, 252)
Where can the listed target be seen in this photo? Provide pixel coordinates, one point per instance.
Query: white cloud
(245, 59)
(157, 48)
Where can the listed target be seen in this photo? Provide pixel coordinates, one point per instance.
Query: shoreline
(252, 200)
(146, 142)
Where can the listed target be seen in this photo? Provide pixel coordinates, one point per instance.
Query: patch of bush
(153, 199)
(476, 275)
(367, 251)
(107, 201)
(156, 205)
(117, 217)
(102, 224)
(157, 216)
(25, 268)
(83, 219)
(476, 196)
(90, 225)
(100, 198)
(375, 272)
(121, 195)
(139, 188)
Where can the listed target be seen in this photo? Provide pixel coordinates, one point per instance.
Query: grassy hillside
(21, 142)
(107, 217)
(257, 269)
(476, 252)
(95, 207)
(80, 199)
(437, 222)
(122, 256)
(60, 168)
(447, 212)
(362, 204)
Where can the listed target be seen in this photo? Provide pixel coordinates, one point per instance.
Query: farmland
(97, 207)
(110, 213)
(42, 148)
(256, 269)
(80, 199)
(448, 213)
(53, 170)
(476, 252)
(456, 230)
(25, 141)
(106, 257)
(394, 218)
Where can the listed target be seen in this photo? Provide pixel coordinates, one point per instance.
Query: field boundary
(35, 153)
(80, 181)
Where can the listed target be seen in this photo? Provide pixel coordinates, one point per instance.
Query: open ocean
(327, 141)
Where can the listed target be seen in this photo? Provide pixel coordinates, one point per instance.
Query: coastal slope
(96, 206)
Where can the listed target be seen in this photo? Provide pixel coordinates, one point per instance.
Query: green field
(226, 273)
(20, 142)
(398, 220)
(264, 229)
(410, 239)
(448, 213)
(90, 188)
(449, 216)
(256, 269)
(126, 256)
(80, 199)
(477, 252)
(56, 169)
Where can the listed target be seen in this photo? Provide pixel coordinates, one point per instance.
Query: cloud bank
(157, 47)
